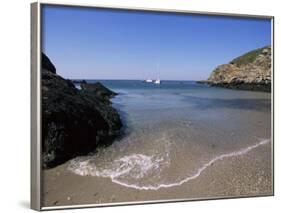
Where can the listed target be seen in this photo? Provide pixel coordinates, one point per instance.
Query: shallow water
(175, 130)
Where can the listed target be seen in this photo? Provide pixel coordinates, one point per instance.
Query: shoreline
(258, 87)
(221, 179)
(200, 170)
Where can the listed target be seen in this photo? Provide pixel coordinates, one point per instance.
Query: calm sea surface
(176, 130)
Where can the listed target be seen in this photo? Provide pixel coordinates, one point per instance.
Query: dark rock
(98, 89)
(76, 81)
(244, 86)
(74, 122)
(47, 64)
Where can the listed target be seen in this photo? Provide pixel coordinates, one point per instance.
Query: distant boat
(157, 81)
(148, 80)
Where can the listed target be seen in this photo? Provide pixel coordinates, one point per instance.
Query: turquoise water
(175, 130)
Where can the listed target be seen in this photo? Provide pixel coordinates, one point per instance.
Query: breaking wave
(143, 172)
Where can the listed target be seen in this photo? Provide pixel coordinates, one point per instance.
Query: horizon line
(107, 79)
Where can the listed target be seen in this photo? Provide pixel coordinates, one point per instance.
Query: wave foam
(138, 166)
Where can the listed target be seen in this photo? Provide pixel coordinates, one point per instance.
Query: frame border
(35, 191)
(36, 39)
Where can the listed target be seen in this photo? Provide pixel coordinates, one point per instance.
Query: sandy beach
(245, 175)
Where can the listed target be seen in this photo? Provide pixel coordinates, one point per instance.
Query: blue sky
(87, 43)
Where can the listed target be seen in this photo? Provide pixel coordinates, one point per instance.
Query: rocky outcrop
(47, 64)
(99, 89)
(74, 122)
(251, 71)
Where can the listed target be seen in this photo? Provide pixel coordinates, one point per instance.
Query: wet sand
(249, 174)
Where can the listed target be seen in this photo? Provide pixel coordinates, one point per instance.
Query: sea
(174, 131)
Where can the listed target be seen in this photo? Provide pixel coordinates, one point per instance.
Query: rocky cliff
(251, 71)
(74, 122)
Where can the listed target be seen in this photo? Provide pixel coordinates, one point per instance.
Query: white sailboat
(157, 81)
(148, 80)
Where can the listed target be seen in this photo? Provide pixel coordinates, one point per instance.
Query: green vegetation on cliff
(248, 57)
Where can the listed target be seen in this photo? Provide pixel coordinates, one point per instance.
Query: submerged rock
(74, 122)
(251, 71)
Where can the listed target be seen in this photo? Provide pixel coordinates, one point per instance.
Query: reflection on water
(235, 103)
